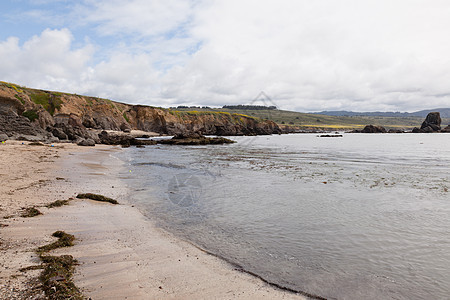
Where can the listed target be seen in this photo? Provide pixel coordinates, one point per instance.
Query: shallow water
(363, 216)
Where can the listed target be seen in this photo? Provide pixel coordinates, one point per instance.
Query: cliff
(28, 113)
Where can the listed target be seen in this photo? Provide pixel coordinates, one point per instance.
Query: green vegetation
(305, 120)
(58, 203)
(30, 114)
(20, 99)
(97, 197)
(30, 212)
(50, 102)
(126, 117)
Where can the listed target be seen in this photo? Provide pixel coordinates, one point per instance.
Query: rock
(417, 130)
(446, 129)
(330, 135)
(3, 137)
(395, 131)
(432, 122)
(86, 142)
(125, 127)
(120, 139)
(59, 133)
(195, 139)
(373, 129)
(12, 124)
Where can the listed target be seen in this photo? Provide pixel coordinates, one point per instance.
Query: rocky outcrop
(446, 129)
(432, 123)
(123, 140)
(373, 129)
(195, 139)
(72, 117)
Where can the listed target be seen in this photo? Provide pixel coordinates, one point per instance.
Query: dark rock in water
(417, 130)
(330, 135)
(194, 135)
(121, 139)
(373, 129)
(395, 131)
(432, 122)
(86, 142)
(446, 129)
(195, 139)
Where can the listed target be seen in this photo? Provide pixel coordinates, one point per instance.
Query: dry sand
(122, 254)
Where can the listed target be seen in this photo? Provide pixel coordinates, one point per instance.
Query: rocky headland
(38, 115)
(431, 124)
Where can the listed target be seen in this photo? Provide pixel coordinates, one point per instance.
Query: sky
(360, 55)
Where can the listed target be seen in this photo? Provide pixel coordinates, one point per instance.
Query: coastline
(121, 253)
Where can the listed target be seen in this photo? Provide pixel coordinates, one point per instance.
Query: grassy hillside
(304, 120)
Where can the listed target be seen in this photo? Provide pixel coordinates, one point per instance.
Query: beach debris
(97, 197)
(30, 212)
(56, 277)
(36, 144)
(58, 203)
(64, 240)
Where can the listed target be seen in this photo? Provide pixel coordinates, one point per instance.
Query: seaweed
(97, 197)
(31, 212)
(64, 240)
(58, 203)
(58, 271)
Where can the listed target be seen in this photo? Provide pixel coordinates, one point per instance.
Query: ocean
(364, 216)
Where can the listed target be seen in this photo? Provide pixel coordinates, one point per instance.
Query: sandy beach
(121, 254)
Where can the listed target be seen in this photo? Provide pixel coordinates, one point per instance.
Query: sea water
(365, 216)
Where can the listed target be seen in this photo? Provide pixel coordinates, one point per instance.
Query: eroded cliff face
(59, 115)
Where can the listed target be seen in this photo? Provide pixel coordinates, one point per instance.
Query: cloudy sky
(361, 55)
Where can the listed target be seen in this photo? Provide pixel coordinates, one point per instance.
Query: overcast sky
(307, 55)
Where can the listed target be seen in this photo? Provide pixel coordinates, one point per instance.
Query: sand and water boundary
(121, 254)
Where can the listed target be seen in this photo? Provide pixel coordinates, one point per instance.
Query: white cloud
(45, 61)
(307, 55)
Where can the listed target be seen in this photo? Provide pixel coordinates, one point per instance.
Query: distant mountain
(445, 113)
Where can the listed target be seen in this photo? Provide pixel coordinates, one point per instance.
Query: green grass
(126, 117)
(305, 120)
(50, 102)
(30, 114)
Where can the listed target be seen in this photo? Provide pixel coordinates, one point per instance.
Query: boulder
(373, 129)
(86, 142)
(432, 122)
(3, 137)
(58, 132)
(446, 129)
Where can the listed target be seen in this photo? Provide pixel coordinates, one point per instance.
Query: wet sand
(122, 255)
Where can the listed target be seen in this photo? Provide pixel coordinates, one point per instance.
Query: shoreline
(121, 253)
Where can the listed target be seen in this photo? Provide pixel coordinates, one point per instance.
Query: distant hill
(445, 113)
